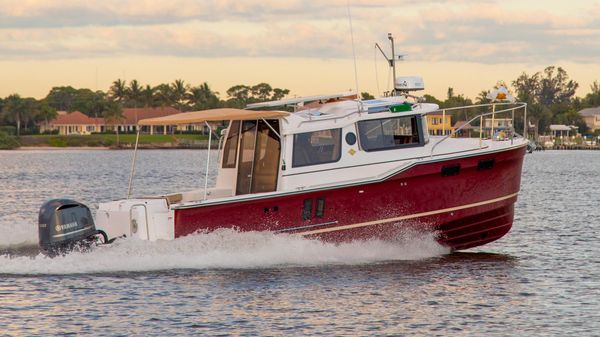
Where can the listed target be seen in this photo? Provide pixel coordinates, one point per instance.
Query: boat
(336, 168)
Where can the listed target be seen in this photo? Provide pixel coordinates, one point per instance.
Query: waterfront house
(77, 123)
(439, 124)
(495, 126)
(466, 130)
(73, 123)
(133, 115)
(591, 116)
(563, 132)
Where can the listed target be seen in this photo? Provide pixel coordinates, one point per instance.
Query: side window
(231, 145)
(388, 133)
(319, 147)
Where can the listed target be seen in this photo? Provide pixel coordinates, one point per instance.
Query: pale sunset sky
(304, 46)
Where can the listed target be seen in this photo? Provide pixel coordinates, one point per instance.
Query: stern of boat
(147, 219)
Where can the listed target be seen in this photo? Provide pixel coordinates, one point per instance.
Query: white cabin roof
(342, 113)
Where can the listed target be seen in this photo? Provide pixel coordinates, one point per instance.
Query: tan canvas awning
(224, 114)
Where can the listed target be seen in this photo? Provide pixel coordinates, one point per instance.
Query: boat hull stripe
(406, 217)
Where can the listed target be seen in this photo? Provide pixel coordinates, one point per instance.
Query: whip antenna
(354, 57)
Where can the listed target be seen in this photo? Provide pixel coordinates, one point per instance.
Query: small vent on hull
(307, 209)
(451, 170)
(320, 212)
(486, 164)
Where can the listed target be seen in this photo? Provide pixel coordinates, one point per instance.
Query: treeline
(24, 114)
(550, 98)
(550, 95)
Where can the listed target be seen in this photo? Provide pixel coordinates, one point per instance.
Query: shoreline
(99, 148)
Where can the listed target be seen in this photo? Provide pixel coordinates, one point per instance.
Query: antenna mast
(391, 60)
(354, 57)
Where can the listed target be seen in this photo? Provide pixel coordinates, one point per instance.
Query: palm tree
(179, 93)
(118, 90)
(114, 115)
(202, 97)
(147, 96)
(134, 93)
(30, 110)
(46, 112)
(13, 110)
(164, 95)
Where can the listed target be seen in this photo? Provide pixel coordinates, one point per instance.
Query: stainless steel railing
(493, 113)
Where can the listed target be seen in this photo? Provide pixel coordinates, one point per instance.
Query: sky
(301, 45)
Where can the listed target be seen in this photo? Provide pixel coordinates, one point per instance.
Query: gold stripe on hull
(406, 217)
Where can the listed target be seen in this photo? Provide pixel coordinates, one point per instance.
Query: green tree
(29, 112)
(89, 102)
(147, 97)
(134, 93)
(241, 95)
(366, 96)
(556, 88)
(62, 98)
(238, 96)
(202, 98)
(527, 87)
(431, 99)
(118, 91)
(164, 95)
(549, 95)
(46, 112)
(279, 93)
(179, 91)
(592, 99)
(13, 111)
(113, 114)
(261, 92)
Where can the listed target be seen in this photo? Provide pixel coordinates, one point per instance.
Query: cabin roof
(223, 114)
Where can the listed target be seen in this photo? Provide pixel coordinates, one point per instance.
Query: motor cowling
(64, 224)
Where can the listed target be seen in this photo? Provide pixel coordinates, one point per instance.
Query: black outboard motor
(66, 224)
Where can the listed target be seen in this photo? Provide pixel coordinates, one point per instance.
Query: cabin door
(258, 163)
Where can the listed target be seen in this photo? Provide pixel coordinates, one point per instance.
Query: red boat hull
(469, 206)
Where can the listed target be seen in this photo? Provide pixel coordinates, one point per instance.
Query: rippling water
(542, 279)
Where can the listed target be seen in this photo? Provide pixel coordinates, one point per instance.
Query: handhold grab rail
(519, 105)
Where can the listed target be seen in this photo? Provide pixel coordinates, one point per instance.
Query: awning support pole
(207, 160)
(137, 139)
(270, 127)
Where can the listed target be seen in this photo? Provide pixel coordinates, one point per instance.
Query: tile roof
(75, 118)
(590, 111)
(133, 115)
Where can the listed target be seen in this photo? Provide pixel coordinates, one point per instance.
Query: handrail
(334, 117)
(131, 218)
(519, 105)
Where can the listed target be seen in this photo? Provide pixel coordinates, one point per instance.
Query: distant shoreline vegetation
(550, 95)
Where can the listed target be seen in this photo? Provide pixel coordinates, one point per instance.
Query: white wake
(224, 249)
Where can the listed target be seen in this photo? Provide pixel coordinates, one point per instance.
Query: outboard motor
(65, 224)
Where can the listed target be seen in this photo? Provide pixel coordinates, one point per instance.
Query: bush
(7, 142)
(8, 129)
(57, 142)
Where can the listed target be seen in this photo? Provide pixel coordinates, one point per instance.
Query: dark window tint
(350, 138)
(319, 147)
(231, 145)
(389, 133)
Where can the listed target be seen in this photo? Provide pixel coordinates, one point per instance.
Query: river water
(542, 279)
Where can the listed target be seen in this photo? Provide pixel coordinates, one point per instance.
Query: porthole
(351, 138)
